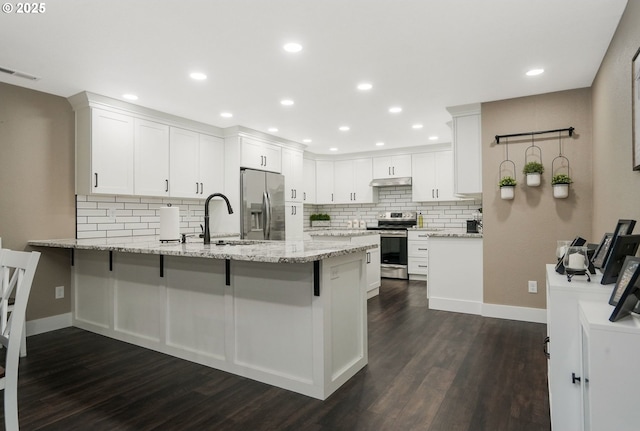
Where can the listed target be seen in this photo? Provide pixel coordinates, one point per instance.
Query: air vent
(18, 74)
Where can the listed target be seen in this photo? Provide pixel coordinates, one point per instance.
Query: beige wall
(37, 198)
(616, 188)
(520, 235)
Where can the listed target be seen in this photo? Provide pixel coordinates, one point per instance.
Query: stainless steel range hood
(384, 182)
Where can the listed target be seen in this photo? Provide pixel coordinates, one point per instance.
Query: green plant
(318, 217)
(507, 182)
(533, 168)
(561, 179)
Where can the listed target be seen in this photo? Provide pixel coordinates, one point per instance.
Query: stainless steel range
(393, 242)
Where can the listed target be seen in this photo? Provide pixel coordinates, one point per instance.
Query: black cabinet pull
(96, 174)
(201, 188)
(368, 257)
(546, 350)
(574, 378)
(166, 185)
(197, 188)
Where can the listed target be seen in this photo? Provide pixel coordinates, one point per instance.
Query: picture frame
(602, 251)
(623, 246)
(626, 294)
(635, 109)
(577, 242)
(628, 276)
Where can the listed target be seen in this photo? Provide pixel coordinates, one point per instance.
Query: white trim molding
(510, 312)
(47, 324)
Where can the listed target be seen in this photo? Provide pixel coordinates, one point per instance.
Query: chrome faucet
(207, 234)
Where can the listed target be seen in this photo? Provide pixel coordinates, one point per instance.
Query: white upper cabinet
(392, 166)
(196, 164)
(211, 165)
(309, 181)
(294, 221)
(351, 180)
(104, 152)
(292, 166)
(432, 177)
(151, 158)
(324, 182)
(467, 148)
(260, 155)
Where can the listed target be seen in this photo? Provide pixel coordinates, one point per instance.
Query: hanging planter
(533, 169)
(507, 188)
(560, 182)
(560, 185)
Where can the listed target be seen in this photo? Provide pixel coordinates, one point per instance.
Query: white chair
(18, 268)
(7, 306)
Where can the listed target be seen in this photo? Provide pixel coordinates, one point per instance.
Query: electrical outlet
(533, 286)
(59, 292)
(111, 213)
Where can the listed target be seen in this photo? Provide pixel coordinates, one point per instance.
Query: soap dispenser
(420, 220)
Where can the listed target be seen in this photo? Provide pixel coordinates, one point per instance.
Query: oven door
(393, 248)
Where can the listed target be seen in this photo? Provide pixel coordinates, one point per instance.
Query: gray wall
(37, 195)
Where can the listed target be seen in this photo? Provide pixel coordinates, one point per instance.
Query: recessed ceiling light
(307, 141)
(333, 149)
(286, 102)
(130, 96)
(344, 128)
(433, 138)
(395, 109)
(226, 114)
(379, 144)
(417, 126)
(292, 47)
(198, 76)
(272, 129)
(534, 72)
(365, 86)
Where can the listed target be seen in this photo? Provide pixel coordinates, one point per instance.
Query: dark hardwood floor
(428, 370)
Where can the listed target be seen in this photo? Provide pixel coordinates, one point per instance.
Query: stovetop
(395, 221)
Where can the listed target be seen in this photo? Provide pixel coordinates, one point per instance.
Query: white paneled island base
(259, 320)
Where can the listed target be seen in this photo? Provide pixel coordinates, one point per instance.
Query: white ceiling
(422, 55)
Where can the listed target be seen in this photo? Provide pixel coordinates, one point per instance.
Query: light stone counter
(446, 233)
(246, 250)
(342, 232)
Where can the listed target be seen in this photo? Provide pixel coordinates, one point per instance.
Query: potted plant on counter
(533, 171)
(320, 220)
(507, 187)
(560, 185)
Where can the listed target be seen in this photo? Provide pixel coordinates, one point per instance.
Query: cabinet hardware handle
(331, 197)
(295, 193)
(368, 257)
(197, 188)
(423, 249)
(389, 170)
(304, 196)
(166, 185)
(422, 266)
(96, 174)
(354, 196)
(265, 160)
(437, 193)
(574, 378)
(393, 170)
(424, 236)
(545, 349)
(201, 188)
(432, 194)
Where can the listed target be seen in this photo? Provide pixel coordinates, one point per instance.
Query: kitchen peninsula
(287, 313)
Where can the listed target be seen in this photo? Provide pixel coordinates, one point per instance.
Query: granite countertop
(446, 233)
(247, 250)
(341, 232)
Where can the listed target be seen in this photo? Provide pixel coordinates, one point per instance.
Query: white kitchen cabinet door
(324, 182)
(260, 155)
(292, 170)
(392, 166)
(112, 151)
(293, 221)
(151, 158)
(362, 176)
(211, 165)
(432, 177)
(309, 182)
(183, 163)
(352, 178)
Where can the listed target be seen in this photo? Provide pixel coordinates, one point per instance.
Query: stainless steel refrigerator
(262, 212)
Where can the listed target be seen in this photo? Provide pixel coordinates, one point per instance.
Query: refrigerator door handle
(266, 210)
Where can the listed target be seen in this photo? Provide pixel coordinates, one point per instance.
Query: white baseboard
(47, 324)
(455, 305)
(373, 292)
(510, 312)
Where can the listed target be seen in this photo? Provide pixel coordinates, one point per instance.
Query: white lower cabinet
(609, 377)
(418, 254)
(563, 348)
